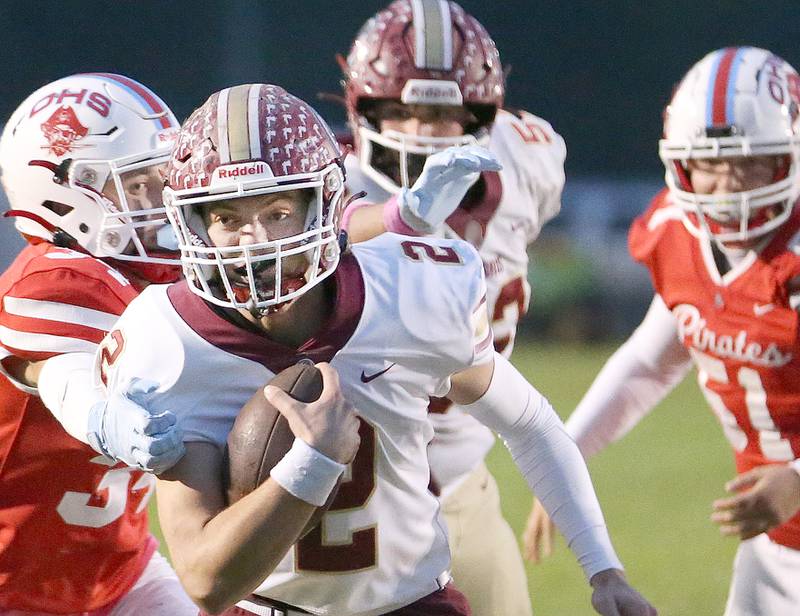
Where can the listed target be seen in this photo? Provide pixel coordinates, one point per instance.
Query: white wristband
(306, 473)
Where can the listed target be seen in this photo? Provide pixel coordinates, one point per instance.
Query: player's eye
(225, 219)
(278, 215)
(136, 186)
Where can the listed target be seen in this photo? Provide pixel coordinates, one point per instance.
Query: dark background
(599, 71)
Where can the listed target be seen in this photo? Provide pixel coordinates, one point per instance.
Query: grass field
(656, 488)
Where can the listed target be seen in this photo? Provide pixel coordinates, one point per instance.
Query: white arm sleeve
(550, 462)
(66, 386)
(632, 382)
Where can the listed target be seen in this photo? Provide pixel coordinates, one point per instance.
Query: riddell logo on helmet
(242, 171)
(431, 92)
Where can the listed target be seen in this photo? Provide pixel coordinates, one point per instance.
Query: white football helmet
(249, 140)
(82, 162)
(735, 102)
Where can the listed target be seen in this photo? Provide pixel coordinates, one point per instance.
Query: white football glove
(123, 428)
(445, 179)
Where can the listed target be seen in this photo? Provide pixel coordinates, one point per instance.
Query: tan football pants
(487, 566)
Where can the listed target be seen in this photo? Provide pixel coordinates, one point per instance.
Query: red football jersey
(741, 328)
(73, 526)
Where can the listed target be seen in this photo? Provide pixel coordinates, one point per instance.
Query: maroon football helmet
(248, 140)
(427, 52)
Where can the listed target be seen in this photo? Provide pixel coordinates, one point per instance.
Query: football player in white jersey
(721, 246)
(424, 76)
(255, 192)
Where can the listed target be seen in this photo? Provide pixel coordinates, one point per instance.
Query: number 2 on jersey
(314, 552)
(418, 251)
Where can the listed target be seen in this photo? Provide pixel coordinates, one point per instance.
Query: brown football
(261, 436)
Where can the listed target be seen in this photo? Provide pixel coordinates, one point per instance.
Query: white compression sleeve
(632, 382)
(550, 462)
(66, 386)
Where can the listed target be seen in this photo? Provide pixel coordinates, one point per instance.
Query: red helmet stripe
(146, 95)
(720, 89)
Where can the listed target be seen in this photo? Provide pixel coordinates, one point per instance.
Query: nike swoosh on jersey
(762, 309)
(372, 377)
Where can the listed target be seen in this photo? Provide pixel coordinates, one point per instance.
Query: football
(261, 436)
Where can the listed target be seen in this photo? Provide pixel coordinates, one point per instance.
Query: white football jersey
(500, 224)
(409, 312)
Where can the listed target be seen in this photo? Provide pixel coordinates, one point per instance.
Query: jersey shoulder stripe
(40, 346)
(57, 301)
(60, 312)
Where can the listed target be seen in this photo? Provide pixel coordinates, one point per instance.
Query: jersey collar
(252, 345)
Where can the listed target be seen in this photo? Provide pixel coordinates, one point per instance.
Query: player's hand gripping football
(765, 497)
(123, 428)
(445, 179)
(539, 533)
(613, 596)
(329, 425)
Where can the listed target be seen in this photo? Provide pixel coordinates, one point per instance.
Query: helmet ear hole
(58, 208)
